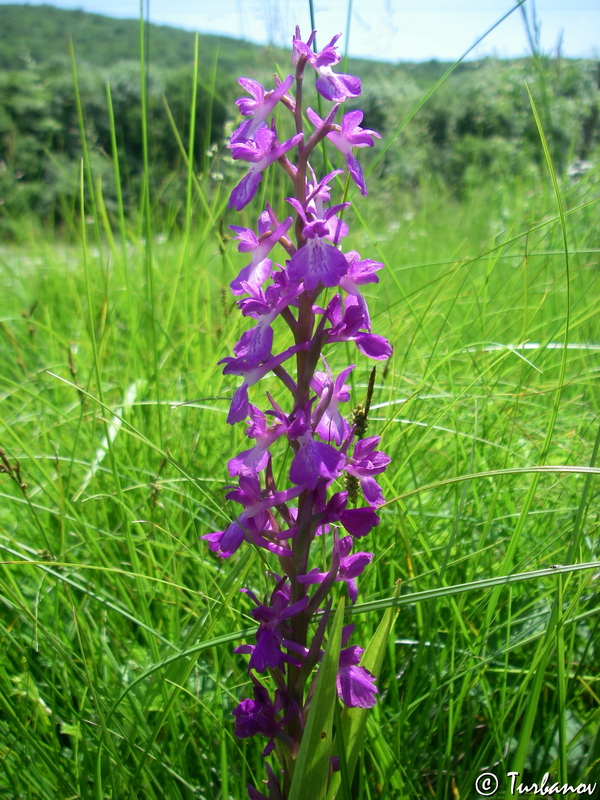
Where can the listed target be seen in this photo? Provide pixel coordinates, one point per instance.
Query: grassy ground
(117, 677)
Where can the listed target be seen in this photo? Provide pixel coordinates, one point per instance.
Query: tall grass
(118, 677)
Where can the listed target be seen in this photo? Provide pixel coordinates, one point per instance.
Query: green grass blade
(353, 721)
(313, 765)
(545, 648)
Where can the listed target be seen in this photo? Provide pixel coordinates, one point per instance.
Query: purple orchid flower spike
(258, 106)
(346, 137)
(259, 268)
(302, 444)
(261, 152)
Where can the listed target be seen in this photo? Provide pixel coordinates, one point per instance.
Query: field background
(117, 676)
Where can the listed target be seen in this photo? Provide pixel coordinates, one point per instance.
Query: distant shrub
(40, 142)
(480, 121)
(478, 124)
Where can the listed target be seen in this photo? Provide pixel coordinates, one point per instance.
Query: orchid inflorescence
(325, 447)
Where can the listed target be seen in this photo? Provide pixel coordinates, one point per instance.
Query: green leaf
(312, 767)
(70, 730)
(354, 720)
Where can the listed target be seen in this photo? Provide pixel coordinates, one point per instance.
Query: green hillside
(479, 121)
(42, 33)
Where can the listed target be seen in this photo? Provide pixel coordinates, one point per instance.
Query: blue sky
(392, 29)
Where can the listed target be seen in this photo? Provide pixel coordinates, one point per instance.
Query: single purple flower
(357, 521)
(251, 374)
(332, 86)
(359, 273)
(251, 461)
(366, 462)
(317, 194)
(302, 49)
(261, 152)
(253, 523)
(258, 716)
(258, 106)
(336, 87)
(348, 569)
(273, 787)
(267, 651)
(332, 426)
(355, 685)
(346, 137)
(254, 794)
(313, 460)
(347, 326)
(259, 268)
(317, 262)
(255, 344)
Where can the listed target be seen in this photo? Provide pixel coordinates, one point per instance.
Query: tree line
(478, 124)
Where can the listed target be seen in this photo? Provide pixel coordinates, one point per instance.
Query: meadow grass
(118, 678)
